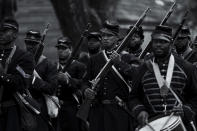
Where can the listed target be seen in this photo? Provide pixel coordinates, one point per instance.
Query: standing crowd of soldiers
(128, 95)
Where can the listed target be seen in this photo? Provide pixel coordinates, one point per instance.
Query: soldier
(94, 47)
(105, 114)
(182, 45)
(94, 43)
(160, 79)
(44, 79)
(130, 57)
(135, 44)
(69, 86)
(16, 66)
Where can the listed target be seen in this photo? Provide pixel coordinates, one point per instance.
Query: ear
(15, 34)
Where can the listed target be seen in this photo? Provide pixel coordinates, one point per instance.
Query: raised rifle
(148, 47)
(85, 107)
(76, 48)
(40, 48)
(180, 27)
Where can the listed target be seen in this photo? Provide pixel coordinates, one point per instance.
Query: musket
(85, 107)
(76, 48)
(180, 27)
(40, 48)
(148, 47)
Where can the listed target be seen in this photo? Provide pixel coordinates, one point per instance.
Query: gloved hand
(142, 118)
(89, 93)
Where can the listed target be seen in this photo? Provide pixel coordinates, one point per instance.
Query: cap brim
(107, 31)
(162, 37)
(61, 45)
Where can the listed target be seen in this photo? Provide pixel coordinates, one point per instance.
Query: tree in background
(7, 8)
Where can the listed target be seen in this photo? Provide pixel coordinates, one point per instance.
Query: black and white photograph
(98, 65)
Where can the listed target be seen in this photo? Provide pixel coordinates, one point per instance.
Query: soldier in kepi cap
(164, 84)
(110, 35)
(16, 66)
(93, 46)
(105, 113)
(94, 43)
(183, 44)
(69, 86)
(134, 45)
(44, 79)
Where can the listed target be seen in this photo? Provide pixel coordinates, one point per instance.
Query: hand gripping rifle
(77, 47)
(40, 49)
(85, 107)
(148, 47)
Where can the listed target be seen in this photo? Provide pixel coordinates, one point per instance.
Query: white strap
(159, 78)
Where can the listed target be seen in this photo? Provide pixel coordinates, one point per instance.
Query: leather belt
(106, 102)
(7, 104)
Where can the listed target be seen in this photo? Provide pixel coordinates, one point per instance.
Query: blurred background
(70, 17)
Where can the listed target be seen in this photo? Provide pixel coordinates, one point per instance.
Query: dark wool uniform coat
(107, 116)
(48, 84)
(66, 92)
(145, 95)
(14, 81)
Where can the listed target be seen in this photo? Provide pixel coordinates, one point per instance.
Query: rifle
(40, 49)
(180, 26)
(148, 47)
(85, 107)
(123, 105)
(77, 47)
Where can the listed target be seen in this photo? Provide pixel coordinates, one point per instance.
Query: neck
(63, 61)
(163, 59)
(135, 50)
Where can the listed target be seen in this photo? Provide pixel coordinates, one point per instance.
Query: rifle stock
(77, 47)
(148, 47)
(40, 48)
(85, 107)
